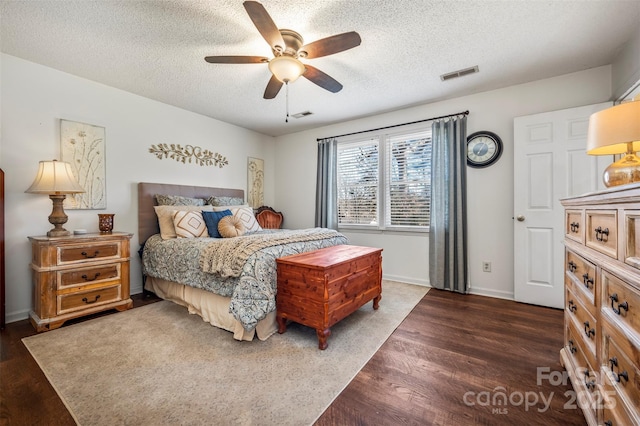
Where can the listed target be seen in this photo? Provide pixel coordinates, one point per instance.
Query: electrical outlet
(486, 266)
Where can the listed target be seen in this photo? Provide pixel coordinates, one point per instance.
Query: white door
(550, 163)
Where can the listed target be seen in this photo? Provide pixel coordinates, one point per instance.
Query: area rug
(158, 365)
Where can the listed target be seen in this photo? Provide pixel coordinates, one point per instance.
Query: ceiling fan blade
(331, 45)
(273, 87)
(265, 25)
(236, 59)
(321, 79)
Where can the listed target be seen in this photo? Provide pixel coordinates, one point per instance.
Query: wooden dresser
(321, 287)
(78, 275)
(602, 304)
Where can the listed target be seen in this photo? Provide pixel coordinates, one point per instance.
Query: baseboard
(408, 280)
(16, 316)
(507, 295)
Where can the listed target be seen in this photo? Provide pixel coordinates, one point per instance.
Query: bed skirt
(213, 308)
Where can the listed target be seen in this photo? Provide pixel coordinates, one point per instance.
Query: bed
(239, 299)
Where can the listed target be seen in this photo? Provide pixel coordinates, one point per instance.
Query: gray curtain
(448, 228)
(327, 184)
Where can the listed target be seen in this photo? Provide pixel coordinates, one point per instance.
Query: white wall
(625, 70)
(34, 99)
(490, 190)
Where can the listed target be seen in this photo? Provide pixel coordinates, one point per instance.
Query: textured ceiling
(156, 49)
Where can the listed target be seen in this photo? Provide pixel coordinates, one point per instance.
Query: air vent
(302, 114)
(459, 73)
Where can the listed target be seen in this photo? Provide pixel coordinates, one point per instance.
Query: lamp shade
(611, 130)
(55, 177)
(286, 68)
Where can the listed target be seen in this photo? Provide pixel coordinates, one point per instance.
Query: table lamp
(56, 179)
(616, 130)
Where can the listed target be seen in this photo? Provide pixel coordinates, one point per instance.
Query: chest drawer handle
(572, 306)
(572, 266)
(85, 300)
(572, 348)
(589, 331)
(608, 423)
(575, 226)
(95, 253)
(586, 280)
(601, 233)
(97, 274)
(621, 306)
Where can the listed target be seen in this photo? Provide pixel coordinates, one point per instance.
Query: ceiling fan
(288, 47)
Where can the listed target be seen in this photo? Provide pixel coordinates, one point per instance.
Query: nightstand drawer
(70, 254)
(81, 300)
(93, 275)
(602, 231)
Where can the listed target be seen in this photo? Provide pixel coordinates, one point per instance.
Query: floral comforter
(253, 293)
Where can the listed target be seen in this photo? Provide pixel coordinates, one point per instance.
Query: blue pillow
(211, 219)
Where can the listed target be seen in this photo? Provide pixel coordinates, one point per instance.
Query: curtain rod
(397, 125)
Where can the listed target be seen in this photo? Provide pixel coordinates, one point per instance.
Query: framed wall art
(83, 146)
(255, 182)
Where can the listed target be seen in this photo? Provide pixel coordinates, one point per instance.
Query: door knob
(520, 218)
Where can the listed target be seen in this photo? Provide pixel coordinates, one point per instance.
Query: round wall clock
(483, 149)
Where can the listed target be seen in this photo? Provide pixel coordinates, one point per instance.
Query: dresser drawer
(585, 381)
(583, 277)
(72, 254)
(632, 234)
(574, 225)
(82, 300)
(92, 275)
(614, 410)
(602, 231)
(618, 354)
(583, 322)
(621, 303)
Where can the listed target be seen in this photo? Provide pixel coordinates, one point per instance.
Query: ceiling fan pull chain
(286, 120)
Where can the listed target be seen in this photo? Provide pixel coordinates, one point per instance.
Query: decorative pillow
(189, 224)
(211, 219)
(165, 218)
(230, 226)
(245, 214)
(224, 201)
(178, 200)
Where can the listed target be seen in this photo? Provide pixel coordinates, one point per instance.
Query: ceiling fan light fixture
(287, 69)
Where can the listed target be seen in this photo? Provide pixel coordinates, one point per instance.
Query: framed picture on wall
(83, 146)
(255, 182)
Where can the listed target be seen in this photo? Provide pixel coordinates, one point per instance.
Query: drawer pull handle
(586, 280)
(601, 233)
(621, 306)
(85, 300)
(608, 423)
(572, 266)
(575, 226)
(95, 253)
(589, 331)
(614, 363)
(572, 306)
(97, 274)
(572, 348)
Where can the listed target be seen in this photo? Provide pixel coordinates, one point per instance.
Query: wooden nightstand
(78, 275)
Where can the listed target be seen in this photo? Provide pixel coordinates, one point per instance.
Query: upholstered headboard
(147, 219)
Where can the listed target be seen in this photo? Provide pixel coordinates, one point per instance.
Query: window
(384, 182)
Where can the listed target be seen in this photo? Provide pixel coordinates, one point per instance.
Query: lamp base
(58, 217)
(624, 171)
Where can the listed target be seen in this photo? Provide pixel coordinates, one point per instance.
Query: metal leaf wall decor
(188, 153)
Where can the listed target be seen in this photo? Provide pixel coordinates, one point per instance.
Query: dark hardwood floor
(448, 363)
